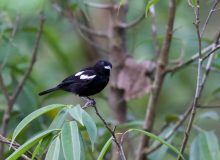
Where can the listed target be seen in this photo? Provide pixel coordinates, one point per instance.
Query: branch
(178, 124)
(14, 146)
(33, 60)
(119, 146)
(159, 77)
(199, 82)
(209, 16)
(208, 107)
(68, 14)
(191, 60)
(19, 88)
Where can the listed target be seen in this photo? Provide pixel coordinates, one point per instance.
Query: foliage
(63, 50)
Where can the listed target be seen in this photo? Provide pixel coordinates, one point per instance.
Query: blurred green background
(63, 51)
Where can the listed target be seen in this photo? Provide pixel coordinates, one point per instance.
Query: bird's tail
(48, 91)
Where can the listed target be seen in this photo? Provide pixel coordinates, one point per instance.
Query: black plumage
(87, 81)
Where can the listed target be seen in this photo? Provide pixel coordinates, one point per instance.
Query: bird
(86, 82)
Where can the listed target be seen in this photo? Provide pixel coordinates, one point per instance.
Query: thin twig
(14, 146)
(198, 83)
(32, 62)
(178, 124)
(208, 107)
(20, 86)
(81, 28)
(119, 146)
(159, 77)
(192, 59)
(209, 16)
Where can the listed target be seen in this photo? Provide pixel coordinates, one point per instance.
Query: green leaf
(158, 139)
(76, 112)
(36, 150)
(162, 151)
(70, 141)
(205, 146)
(82, 147)
(33, 116)
(149, 4)
(209, 115)
(85, 119)
(105, 149)
(90, 127)
(54, 150)
(59, 120)
(44, 144)
(27, 145)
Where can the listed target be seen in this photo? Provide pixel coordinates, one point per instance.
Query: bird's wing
(81, 77)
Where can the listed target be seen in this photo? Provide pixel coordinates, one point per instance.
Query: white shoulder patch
(108, 67)
(79, 73)
(87, 77)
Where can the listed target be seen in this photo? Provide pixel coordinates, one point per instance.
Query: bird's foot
(89, 102)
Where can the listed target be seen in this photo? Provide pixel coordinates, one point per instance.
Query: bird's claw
(89, 103)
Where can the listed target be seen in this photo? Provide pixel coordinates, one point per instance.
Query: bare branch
(198, 83)
(18, 89)
(119, 146)
(159, 77)
(180, 122)
(14, 146)
(209, 16)
(211, 52)
(33, 60)
(191, 60)
(208, 107)
(93, 43)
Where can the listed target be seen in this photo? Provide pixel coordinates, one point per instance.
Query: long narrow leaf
(158, 139)
(149, 4)
(27, 145)
(33, 116)
(59, 120)
(36, 150)
(76, 113)
(54, 150)
(205, 147)
(90, 127)
(70, 141)
(105, 149)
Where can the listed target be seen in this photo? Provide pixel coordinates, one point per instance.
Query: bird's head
(103, 65)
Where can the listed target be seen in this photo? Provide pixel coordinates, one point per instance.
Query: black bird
(86, 82)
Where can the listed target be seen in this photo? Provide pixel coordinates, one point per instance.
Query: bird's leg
(89, 102)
